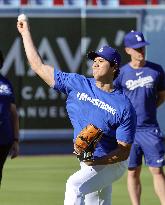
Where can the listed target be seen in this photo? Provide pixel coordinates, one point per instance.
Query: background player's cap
(135, 39)
(108, 53)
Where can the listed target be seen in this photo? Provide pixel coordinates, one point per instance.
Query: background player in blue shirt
(144, 83)
(9, 124)
(92, 101)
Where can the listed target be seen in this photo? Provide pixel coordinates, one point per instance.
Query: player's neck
(107, 87)
(137, 64)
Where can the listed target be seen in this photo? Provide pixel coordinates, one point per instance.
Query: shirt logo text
(96, 102)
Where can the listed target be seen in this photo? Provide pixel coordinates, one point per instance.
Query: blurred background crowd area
(94, 3)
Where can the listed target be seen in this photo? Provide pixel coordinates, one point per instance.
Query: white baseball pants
(92, 185)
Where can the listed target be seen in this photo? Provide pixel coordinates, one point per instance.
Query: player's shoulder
(79, 77)
(83, 78)
(71, 77)
(78, 80)
(154, 66)
(122, 98)
(124, 105)
(127, 106)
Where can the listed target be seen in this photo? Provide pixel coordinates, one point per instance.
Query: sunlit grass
(41, 181)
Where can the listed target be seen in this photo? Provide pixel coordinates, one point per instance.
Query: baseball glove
(86, 141)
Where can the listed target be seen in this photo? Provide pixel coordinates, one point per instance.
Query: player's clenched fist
(22, 23)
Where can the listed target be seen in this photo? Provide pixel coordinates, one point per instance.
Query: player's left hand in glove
(86, 141)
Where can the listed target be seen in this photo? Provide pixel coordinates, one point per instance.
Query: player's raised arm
(46, 72)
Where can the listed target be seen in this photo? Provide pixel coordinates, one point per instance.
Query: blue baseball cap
(108, 53)
(135, 39)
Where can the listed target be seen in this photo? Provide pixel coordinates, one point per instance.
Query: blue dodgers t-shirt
(141, 86)
(6, 98)
(87, 104)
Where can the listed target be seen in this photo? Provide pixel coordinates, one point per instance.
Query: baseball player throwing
(91, 102)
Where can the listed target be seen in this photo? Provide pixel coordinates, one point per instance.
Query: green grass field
(41, 181)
